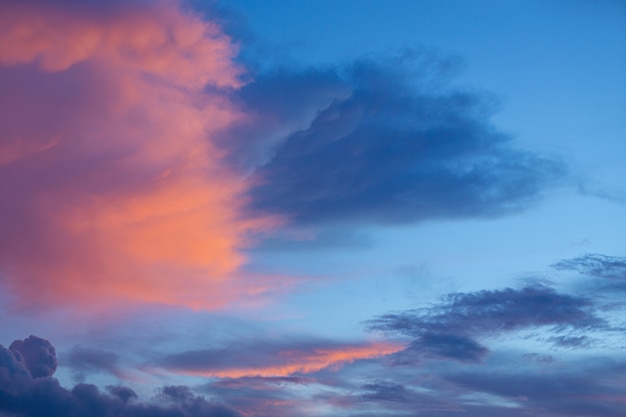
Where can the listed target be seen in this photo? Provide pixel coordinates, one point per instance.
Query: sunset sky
(312, 208)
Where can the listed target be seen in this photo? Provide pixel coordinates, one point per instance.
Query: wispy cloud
(595, 265)
(451, 329)
(384, 141)
(590, 391)
(85, 360)
(273, 358)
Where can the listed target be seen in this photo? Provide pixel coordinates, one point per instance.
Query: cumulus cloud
(113, 188)
(23, 394)
(37, 354)
(378, 141)
(450, 329)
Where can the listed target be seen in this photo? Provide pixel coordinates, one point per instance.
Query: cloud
(386, 391)
(28, 396)
(114, 191)
(388, 397)
(450, 329)
(458, 347)
(273, 358)
(571, 341)
(82, 360)
(381, 141)
(37, 354)
(588, 390)
(595, 265)
(505, 384)
(263, 396)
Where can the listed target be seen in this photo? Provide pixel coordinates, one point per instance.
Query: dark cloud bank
(382, 141)
(27, 389)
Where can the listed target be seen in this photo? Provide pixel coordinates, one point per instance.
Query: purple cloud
(37, 354)
(24, 394)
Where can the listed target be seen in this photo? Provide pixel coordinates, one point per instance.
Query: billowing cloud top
(112, 187)
(24, 393)
(37, 354)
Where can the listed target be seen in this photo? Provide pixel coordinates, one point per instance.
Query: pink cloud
(278, 362)
(112, 189)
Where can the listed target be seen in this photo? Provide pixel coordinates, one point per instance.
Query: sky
(312, 208)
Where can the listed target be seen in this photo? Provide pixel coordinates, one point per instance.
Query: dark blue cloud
(379, 141)
(572, 341)
(385, 391)
(443, 345)
(37, 355)
(28, 395)
(450, 329)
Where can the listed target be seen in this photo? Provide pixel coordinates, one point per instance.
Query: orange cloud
(289, 362)
(112, 188)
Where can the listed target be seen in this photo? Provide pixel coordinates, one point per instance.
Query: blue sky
(313, 208)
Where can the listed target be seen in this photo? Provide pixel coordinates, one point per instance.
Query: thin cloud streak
(268, 359)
